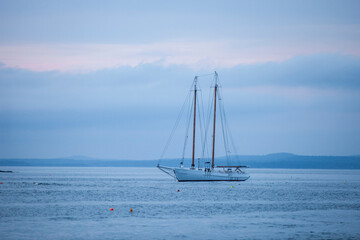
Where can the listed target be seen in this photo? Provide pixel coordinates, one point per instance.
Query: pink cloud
(194, 54)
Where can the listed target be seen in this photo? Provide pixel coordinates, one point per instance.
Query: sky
(106, 79)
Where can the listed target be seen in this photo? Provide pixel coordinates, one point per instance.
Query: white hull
(190, 175)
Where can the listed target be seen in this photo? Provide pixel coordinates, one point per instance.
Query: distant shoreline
(277, 160)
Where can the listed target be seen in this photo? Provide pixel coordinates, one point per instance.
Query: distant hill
(276, 160)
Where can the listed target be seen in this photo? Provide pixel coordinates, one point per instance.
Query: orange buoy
(178, 190)
(111, 209)
(0, 182)
(131, 210)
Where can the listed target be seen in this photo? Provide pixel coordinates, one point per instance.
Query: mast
(193, 148)
(213, 146)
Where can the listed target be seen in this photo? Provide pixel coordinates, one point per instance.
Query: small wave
(48, 184)
(62, 218)
(40, 183)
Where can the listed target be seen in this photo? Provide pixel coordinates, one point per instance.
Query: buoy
(178, 190)
(131, 210)
(0, 182)
(231, 186)
(111, 209)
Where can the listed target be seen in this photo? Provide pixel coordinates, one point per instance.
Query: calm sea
(74, 203)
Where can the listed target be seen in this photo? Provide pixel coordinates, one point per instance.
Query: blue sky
(107, 79)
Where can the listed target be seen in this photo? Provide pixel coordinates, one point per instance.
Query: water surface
(74, 203)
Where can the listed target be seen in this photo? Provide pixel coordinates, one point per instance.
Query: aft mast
(213, 145)
(193, 148)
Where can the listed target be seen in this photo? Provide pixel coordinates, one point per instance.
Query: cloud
(320, 70)
(308, 105)
(88, 36)
(299, 77)
(193, 54)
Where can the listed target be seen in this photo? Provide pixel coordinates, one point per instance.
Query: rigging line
(168, 171)
(233, 143)
(222, 127)
(200, 123)
(174, 128)
(189, 115)
(202, 126)
(203, 134)
(205, 75)
(208, 120)
(224, 132)
(228, 132)
(176, 123)
(231, 137)
(218, 81)
(210, 111)
(210, 103)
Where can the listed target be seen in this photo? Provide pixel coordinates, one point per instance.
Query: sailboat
(206, 169)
